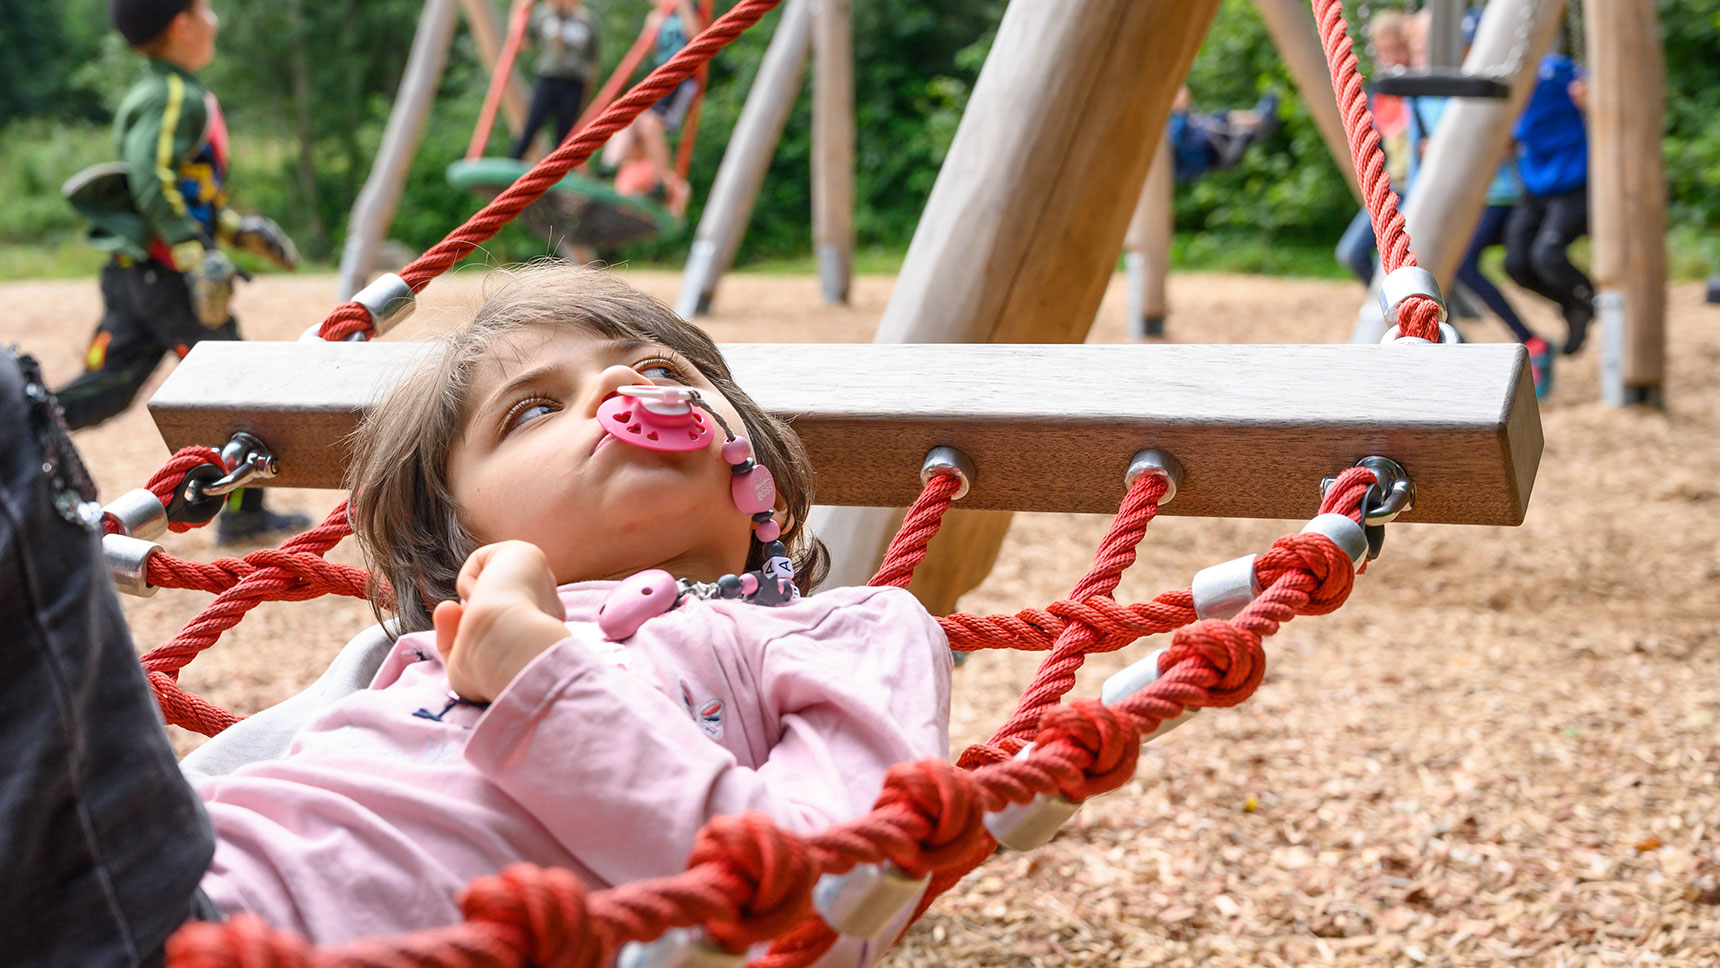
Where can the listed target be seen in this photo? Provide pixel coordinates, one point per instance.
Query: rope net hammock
(747, 881)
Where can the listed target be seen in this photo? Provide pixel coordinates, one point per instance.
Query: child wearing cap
(160, 212)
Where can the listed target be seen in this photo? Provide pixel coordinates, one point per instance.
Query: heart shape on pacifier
(655, 418)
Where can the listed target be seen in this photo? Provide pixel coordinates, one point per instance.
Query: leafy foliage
(307, 86)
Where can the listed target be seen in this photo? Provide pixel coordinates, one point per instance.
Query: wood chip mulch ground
(1503, 751)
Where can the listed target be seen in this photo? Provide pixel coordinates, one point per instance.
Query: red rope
(168, 480)
(1056, 675)
(908, 548)
(748, 880)
(284, 574)
(351, 317)
(1418, 315)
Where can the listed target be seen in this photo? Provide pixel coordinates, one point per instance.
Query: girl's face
(534, 464)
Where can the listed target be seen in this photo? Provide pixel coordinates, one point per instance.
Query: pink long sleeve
(721, 709)
(601, 758)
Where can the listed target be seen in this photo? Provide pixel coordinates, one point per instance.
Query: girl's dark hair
(402, 507)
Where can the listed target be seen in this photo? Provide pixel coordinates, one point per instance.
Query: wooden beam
(833, 146)
(747, 158)
(1473, 138)
(487, 36)
(1147, 248)
(1627, 197)
(1298, 41)
(374, 209)
(1255, 427)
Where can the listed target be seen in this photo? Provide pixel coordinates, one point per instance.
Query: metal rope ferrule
(388, 299)
(127, 561)
(677, 948)
(1158, 463)
(1223, 590)
(140, 514)
(949, 460)
(862, 901)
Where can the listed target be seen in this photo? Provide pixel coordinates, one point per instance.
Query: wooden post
(1472, 140)
(1147, 248)
(374, 209)
(486, 31)
(1298, 41)
(833, 146)
(1627, 197)
(1020, 235)
(747, 158)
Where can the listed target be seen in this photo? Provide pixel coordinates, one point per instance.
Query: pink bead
(754, 491)
(768, 531)
(635, 601)
(627, 419)
(749, 583)
(735, 451)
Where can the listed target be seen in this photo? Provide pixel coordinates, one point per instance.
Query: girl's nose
(609, 381)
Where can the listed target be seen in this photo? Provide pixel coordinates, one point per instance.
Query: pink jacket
(598, 757)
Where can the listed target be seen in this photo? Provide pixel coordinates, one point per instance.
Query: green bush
(307, 88)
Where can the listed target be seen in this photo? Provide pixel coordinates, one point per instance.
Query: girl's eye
(655, 370)
(525, 412)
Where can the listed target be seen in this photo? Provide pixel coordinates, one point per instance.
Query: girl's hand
(508, 615)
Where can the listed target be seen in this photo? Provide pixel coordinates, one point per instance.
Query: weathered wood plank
(1049, 427)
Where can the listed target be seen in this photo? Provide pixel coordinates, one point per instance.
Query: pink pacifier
(655, 418)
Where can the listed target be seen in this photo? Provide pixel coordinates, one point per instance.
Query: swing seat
(578, 210)
(1448, 82)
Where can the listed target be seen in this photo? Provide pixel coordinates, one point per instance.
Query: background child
(1503, 194)
(1205, 142)
(1553, 156)
(566, 65)
(639, 153)
(160, 213)
(563, 745)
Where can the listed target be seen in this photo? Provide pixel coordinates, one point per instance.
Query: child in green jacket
(160, 212)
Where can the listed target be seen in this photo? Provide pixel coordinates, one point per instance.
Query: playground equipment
(1444, 75)
(1224, 429)
(579, 212)
(1146, 247)
(1626, 179)
(582, 211)
(823, 26)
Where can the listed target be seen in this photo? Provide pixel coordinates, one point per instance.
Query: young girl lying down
(604, 644)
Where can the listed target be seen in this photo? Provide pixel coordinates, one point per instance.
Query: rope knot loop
(770, 874)
(242, 941)
(1103, 744)
(1231, 652)
(539, 912)
(947, 802)
(1320, 558)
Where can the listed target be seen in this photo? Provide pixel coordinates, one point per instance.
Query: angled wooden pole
(1298, 41)
(374, 209)
(1627, 197)
(1147, 248)
(1020, 235)
(833, 146)
(748, 157)
(1472, 140)
(487, 36)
